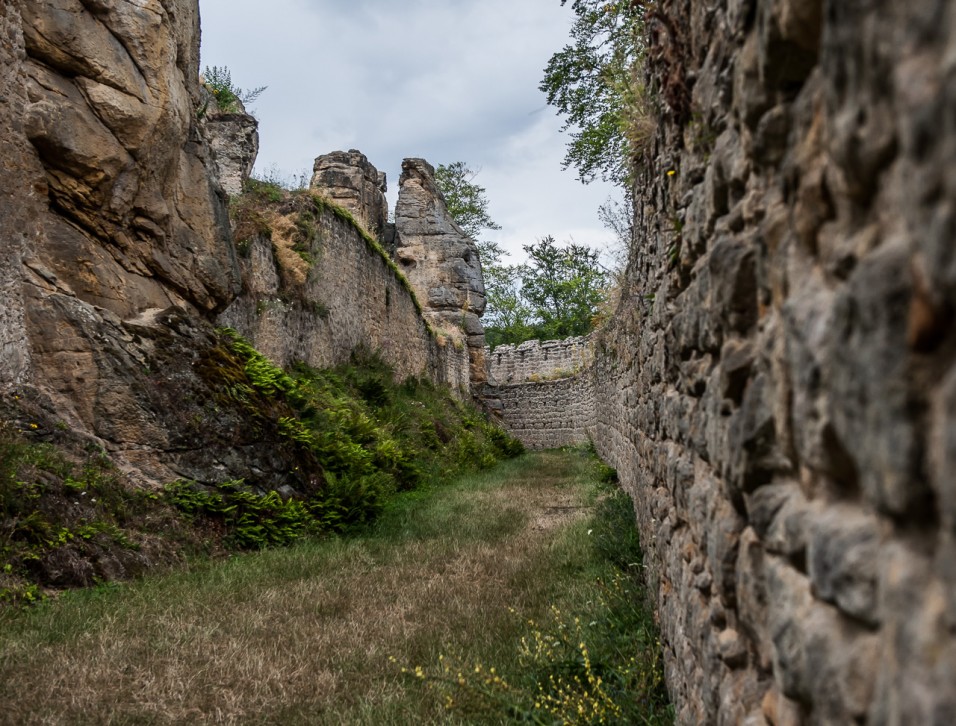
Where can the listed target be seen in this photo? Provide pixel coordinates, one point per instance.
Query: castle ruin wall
(778, 387)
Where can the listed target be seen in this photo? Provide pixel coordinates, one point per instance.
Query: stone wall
(547, 414)
(345, 298)
(538, 360)
(777, 389)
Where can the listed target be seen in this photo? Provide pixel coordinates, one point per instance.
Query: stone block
(869, 393)
(841, 661)
(733, 648)
(843, 554)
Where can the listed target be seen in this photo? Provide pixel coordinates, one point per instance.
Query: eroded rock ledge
(440, 261)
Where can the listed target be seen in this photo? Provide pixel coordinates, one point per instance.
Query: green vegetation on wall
(229, 97)
(368, 436)
(594, 83)
(358, 438)
(266, 209)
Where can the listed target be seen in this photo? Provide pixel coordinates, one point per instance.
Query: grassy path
(319, 633)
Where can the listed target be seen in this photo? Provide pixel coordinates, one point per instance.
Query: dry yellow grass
(305, 635)
(285, 236)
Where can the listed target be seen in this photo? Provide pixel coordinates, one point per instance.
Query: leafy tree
(590, 83)
(563, 287)
(228, 97)
(466, 201)
(508, 318)
(556, 294)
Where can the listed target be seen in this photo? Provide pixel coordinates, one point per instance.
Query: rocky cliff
(441, 262)
(120, 263)
(777, 387)
(116, 237)
(233, 139)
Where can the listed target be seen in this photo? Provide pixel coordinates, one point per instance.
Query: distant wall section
(548, 414)
(537, 360)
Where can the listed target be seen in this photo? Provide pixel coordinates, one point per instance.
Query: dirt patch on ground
(558, 515)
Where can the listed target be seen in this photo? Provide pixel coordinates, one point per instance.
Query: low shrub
(367, 435)
(229, 97)
(355, 436)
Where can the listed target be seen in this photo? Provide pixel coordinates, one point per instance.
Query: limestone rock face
(440, 261)
(112, 92)
(350, 180)
(115, 238)
(234, 139)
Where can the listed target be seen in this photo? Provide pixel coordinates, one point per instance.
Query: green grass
(320, 632)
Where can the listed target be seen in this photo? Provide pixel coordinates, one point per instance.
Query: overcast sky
(446, 80)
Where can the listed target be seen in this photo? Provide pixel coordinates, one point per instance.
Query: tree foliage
(590, 81)
(508, 317)
(563, 286)
(466, 201)
(555, 294)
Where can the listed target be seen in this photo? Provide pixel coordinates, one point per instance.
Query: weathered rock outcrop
(234, 140)
(349, 180)
(119, 254)
(134, 219)
(441, 262)
(776, 390)
(117, 248)
(22, 200)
